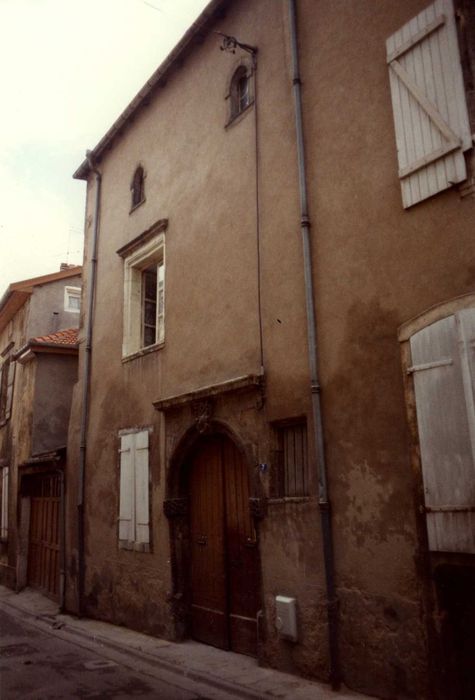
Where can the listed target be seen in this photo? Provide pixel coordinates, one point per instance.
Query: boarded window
(443, 366)
(134, 519)
(291, 463)
(429, 106)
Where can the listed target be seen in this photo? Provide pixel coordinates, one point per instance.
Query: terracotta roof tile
(65, 337)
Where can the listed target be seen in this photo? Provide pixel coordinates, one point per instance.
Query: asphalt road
(37, 663)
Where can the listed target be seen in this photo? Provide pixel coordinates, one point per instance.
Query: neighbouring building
(311, 182)
(38, 368)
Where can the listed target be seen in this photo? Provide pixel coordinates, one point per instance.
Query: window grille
(291, 472)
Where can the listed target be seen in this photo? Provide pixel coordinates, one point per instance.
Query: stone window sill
(143, 351)
(136, 206)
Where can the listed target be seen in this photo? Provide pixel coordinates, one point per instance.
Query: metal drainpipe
(323, 499)
(86, 388)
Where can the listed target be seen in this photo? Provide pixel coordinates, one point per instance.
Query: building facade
(313, 182)
(38, 368)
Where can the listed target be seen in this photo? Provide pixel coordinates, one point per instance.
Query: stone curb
(233, 688)
(279, 684)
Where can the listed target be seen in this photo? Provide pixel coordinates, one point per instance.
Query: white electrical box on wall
(286, 617)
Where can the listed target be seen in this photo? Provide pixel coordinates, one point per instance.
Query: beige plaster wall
(375, 266)
(14, 435)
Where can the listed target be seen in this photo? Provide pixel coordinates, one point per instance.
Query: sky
(69, 68)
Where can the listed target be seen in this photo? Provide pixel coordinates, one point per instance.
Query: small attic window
(240, 91)
(138, 187)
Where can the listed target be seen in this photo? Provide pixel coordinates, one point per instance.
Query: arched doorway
(223, 552)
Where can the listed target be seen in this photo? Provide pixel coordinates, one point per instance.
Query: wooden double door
(224, 554)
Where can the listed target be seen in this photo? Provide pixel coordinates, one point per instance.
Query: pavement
(232, 674)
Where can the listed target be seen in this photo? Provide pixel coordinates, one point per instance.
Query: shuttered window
(134, 519)
(429, 107)
(443, 366)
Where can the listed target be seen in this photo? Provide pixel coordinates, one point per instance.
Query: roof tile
(64, 337)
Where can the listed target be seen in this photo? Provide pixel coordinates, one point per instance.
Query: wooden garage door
(224, 553)
(43, 548)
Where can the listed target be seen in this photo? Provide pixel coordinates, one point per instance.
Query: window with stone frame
(144, 291)
(72, 299)
(240, 93)
(290, 472)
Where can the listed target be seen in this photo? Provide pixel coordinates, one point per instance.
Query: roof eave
(27, 352)
(208, 14)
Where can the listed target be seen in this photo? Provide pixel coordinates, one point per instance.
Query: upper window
(144, 291)
(291, 467)
(138, 187)
(240, 91)
(429, 105)
(72, 299)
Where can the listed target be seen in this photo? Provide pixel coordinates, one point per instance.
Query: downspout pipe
(86, 387)
(317, 427)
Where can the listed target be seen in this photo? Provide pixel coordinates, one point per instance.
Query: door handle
(202, 540)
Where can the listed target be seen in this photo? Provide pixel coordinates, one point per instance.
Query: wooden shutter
(141, 488)
(429, 106)
(127, 487)
(10, 382)
(443, 364)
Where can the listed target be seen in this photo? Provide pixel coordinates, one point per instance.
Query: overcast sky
(69, 68)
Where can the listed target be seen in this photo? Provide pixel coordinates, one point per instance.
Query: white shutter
(444, 403)
(10, 382)
(429, 106)
(127, 487)
(141, 488)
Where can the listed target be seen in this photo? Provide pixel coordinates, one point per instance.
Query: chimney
(55, 323)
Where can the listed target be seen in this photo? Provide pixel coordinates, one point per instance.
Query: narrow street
(35, 663)
(45, 654)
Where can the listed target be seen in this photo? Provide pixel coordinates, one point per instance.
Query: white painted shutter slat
(445, 440)
(429, 107)
(466, 334)
(127, 487)
(142, 533)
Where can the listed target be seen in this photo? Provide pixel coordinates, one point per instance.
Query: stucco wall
(55, 377)
(14, 435)
(47, 311)
(375, 266)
